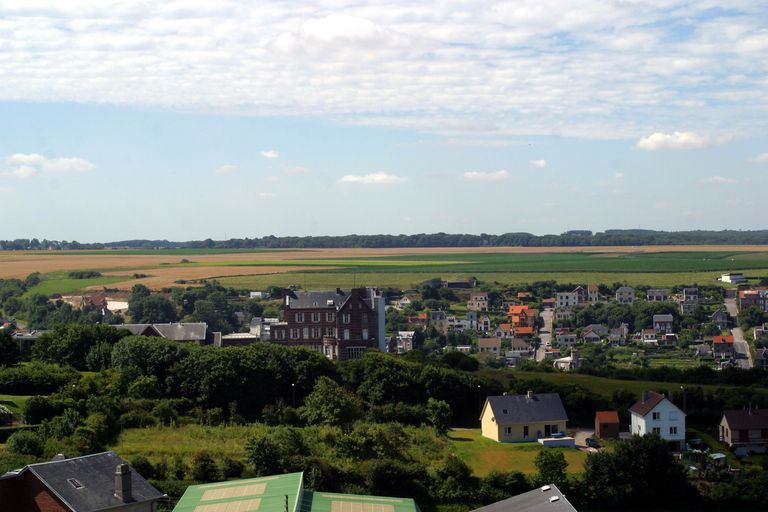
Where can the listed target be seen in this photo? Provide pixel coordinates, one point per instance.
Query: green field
(606, 387)
(14, 402)
(485, 455)
(61, 283)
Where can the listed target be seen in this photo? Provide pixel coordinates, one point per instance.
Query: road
(545, 334)
(740, 346)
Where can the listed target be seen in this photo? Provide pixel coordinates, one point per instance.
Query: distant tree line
(568, 239)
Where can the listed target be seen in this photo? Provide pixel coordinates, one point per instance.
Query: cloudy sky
(193, 119)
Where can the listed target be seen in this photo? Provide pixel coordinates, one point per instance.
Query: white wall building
(654, 413)
(566, 299)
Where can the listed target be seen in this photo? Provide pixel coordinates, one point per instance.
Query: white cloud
(538, 67)
(486, 176)
(297, 170)
(33, 164)
(267, 194)
(718, 180)
(376, 178)
(226, 169)
(679, 140)
(619, 175)
(760, 159)
(269, 153)
(538, 163)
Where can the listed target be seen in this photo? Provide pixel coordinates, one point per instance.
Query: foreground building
(341, 325)
(656, 414)
(521, 418)
(745, 431)
(547, 498)
(93, 483)
(281, 493)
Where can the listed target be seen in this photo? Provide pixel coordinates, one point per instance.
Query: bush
(203, 468)
(38, 409)
(25, 442)
(84, 274)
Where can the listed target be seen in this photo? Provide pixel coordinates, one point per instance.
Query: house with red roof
(654, 413)
(722, 347)
(607, 424)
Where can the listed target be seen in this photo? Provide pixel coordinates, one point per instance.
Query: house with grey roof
(625, 295)
(547, 498)
(196, 332)
(92, 483)
(662, 324)
(521, 418)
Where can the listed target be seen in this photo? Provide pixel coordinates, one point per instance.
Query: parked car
(592, 442)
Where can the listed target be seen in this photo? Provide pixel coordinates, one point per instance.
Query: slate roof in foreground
(543, 499)
(521, 409)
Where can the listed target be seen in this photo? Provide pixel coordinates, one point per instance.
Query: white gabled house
(655, 414)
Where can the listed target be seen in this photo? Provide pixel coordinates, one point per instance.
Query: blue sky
(188, 120)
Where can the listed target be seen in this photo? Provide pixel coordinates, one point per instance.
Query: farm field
(606, 387)
(484, 455)
(404, 268)
(15, 403)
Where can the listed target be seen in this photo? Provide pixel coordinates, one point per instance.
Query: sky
(193, 119)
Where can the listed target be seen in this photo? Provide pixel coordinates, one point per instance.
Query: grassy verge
(484, 455)
(15, 403)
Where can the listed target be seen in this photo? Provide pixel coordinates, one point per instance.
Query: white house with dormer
(656, 414)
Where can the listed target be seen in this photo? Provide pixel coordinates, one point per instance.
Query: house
(277, 493)
(419, 321)
(524, 295)
(478, 301)
(461, 283)
(761, 331)
(590, 336)
(405, 301)
(662, 324)
(668, 340)
(703, 351)
(341, 325)
(258, 295)
(552, 353)
(733, 278)
(598, 329)
(564, 314)
(484, 324)
(438, 320)
(566, 299)
(607, 424)
(196, 332)
(236, 339)
(261, 327)
(593, 293)
(745, 431)
(519, 350)
(657, 295)
(503, 331)
(519, 418)
(464, 349)
(547, 498)
(761, 358)
(524, 332)
(489, 346)
(618, 335)
(656, 414)
(720, 318)
(568, 363)
(565, 339)
(404, 342)
(649, 336)
(689, 300)
(722, 347)
(749, 298)
(625, 295)
(522, 316)
(92, 483)
(581, 294)
(549, 303)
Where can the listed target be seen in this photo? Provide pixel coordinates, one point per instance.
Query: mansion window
(346, 334)
(330, 316)
(673, 430)
(299, 317)
(305, 333)
(355, 352)
(365, 334)
(346, 318)
(316, 317)
(656, 416)
(656, 430)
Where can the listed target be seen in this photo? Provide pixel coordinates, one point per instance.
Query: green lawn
(59, 282)
(14, 402)
(484, 455)
(603, 386)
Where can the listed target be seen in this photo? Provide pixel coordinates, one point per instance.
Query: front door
(547, 430)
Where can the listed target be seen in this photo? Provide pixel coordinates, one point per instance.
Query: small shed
(607, 424)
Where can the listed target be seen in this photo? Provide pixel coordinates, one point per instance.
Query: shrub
(25, 442)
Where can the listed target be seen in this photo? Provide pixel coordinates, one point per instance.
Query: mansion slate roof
(543, 499)
(522, 409)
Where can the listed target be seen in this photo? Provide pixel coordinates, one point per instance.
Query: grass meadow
(485, 455)
(15, 403)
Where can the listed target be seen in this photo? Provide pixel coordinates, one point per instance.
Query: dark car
(592, 442)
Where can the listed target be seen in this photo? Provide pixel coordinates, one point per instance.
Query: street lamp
(293, 393)
(479, 404)
(685, 409)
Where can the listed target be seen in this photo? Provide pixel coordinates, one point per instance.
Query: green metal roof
(330, 502)
(267, 494)
(205, 498)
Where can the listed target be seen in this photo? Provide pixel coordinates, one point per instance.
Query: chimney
(646, 396)
(123, 483)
